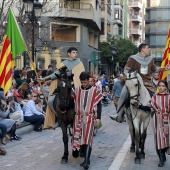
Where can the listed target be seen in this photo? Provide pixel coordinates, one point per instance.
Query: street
(43, 150)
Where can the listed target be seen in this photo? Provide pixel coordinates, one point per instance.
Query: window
(64, 32)
(116, 13)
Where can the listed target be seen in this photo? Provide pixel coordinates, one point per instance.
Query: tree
(23, 19)
(115, 50)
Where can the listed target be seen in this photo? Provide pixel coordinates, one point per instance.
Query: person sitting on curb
(10, 123)
(16, 113)
(32, 115)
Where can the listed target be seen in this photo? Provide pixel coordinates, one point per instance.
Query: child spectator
(16, 112)
(39, 105)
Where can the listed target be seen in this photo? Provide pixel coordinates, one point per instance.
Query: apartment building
(136, 21)
(76, 23)
(157, 25)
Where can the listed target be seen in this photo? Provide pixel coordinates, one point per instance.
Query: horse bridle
(67, 100)
(139, 85)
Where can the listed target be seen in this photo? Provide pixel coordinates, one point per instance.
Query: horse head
(133, 85)
(65, 90)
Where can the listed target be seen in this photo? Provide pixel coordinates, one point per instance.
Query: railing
(135, 31)
(135, 4)
(76, 5)
(136, 17)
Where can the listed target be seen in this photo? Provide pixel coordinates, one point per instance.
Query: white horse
(135, 116)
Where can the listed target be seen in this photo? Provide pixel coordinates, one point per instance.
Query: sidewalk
(126, 159)
(24, 128)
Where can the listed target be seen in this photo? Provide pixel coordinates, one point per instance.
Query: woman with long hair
(161, 121)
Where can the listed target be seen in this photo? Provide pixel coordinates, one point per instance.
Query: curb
(24, 130)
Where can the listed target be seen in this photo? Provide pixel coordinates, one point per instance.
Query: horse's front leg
(137, 141)
(64, 159)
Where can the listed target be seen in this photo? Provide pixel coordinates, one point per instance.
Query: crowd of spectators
(23, 102)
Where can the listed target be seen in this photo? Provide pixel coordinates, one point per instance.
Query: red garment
(85, 103)
(161, 120)
(17, 95)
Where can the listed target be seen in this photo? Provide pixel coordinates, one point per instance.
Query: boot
(161, 159)
(163, 152)
(86, 162)
(118, 117)
(82, 150)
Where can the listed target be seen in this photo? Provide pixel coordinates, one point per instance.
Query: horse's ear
(71, 77)
(135, 73)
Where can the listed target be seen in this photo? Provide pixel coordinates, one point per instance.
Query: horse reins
(134, 96)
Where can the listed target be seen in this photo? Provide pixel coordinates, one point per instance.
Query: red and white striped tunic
(161, 120)
(85, 102)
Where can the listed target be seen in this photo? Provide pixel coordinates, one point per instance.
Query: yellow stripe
(4, 59)
(8, 85)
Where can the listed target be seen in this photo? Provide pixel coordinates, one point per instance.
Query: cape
(142, 60)
(77, 68)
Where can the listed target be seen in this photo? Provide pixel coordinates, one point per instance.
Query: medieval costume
(86, 103)
(76, 67)
(161, 124)
(144, 65)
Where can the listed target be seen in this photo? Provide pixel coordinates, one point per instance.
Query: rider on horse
(144, 64)
(75, 66)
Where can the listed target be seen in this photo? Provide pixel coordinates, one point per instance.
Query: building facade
(136, 21)
(157, 25)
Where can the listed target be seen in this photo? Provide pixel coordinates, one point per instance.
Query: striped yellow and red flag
(13, 45)
(165, 58)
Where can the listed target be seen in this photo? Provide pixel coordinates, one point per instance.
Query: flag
(165, 58)
(13, 45)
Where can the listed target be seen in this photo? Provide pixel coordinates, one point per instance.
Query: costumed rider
(73, 66)
(144, 64)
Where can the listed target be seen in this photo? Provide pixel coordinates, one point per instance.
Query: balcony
(135, 18)
(74, 9)
(135, 32)
(137, 43)
(135, 5)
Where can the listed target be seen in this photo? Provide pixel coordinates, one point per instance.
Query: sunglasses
(34, 96)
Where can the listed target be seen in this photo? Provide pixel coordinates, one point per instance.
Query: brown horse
(64, 106)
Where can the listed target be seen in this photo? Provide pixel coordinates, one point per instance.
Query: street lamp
(33, 9)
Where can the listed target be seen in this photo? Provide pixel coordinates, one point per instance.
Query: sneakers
(15, 138)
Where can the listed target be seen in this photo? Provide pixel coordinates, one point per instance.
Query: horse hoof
(64, 161)
(142, 155)
(137, 161)
(132, 149)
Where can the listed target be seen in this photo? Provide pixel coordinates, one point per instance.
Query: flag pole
(32, 63)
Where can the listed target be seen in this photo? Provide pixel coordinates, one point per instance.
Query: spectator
(4, 113)
(3, 133)
(117, 89)
(46, 88)
(104, 83)
(32, 115)
(17, 77)
(39, 105)
(155, 78)
(16, 112)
